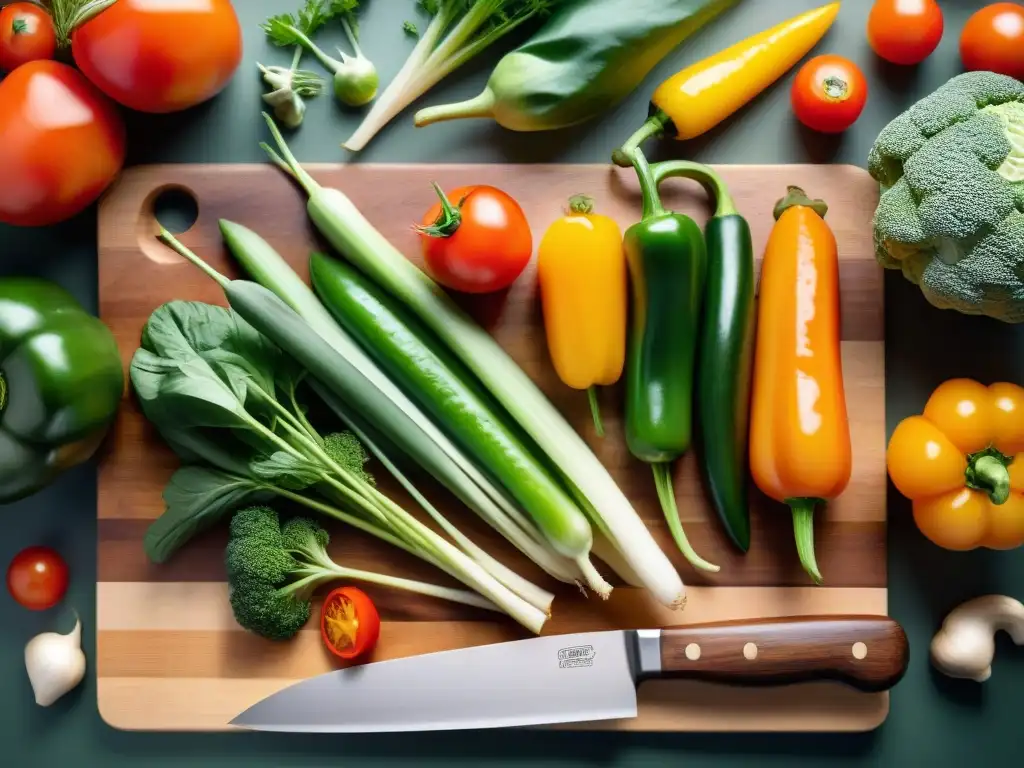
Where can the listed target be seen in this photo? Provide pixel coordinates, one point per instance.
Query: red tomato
(61, 144)
(160, 55)
(905, 31)
(489, 248)
(829, 94)
(26, 34)
(349, 623)
(993, 40)
(37, 578)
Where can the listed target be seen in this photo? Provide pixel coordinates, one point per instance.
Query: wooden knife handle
(867, 652)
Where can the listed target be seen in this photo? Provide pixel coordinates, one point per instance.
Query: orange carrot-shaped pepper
(583, 279)
(800, 436)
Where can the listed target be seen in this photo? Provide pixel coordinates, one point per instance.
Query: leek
(355, 238)
(433, 450)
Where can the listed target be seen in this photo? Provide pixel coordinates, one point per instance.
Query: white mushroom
(965, 646)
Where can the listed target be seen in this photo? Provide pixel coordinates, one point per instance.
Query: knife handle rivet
(750, 651)
(692, 651)
(860, 651)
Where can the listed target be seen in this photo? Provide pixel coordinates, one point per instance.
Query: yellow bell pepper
(581, 268)
(961, 462)
(701, 96)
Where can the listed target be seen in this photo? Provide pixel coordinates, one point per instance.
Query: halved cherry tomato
(26, 34)
(829, 94)
(37, 578)
(993, 40)
(905, 31)
(160, 55)
(349, 623)
(61, 144)
(481, 244)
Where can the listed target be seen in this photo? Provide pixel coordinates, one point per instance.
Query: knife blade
(582, 677)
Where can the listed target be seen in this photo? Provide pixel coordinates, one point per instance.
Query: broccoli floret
(951, 170)
(272, 572)
(347, 450)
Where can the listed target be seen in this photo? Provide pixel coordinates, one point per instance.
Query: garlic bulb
(55, 664)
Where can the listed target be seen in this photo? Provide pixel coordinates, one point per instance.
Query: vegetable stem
(297, 171)
(653, 126)
(481, 105)
(595, 410)
(648, 186)
(803, 531)
(713, 183)
(449, 220)
(667, 497)
(182, 250)
(418, 587)
(351, 37)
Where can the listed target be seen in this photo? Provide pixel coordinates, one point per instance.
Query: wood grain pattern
(170, 656)
(869, 653)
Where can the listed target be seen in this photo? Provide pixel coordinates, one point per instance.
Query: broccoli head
(347, 450)
(273, 571)
(951, 214)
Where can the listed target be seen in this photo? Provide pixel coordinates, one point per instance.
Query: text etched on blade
(576, 656)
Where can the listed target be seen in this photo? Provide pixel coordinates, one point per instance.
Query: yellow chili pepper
(961, 463)
(584, 293)
(701, 96)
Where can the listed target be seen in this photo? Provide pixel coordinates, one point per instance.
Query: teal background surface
(934, 721)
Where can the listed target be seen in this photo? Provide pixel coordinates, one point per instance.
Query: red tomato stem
(449, 220)
(19, 27)
(71, 14)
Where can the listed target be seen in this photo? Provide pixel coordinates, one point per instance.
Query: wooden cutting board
(169, 654)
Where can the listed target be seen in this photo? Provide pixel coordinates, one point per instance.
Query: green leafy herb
(410, 28)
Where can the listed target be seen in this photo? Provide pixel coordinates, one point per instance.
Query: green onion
(425, 443)
(349, 232)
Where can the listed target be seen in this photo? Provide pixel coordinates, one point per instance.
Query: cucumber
(421, 366)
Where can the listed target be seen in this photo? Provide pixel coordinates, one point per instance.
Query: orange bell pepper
(960, 463)
(583, 278)
(800, 451)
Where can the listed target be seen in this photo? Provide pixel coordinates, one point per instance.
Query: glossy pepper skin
(667, 268)
(584, 289)
(725, 356)
(800, 451)
(698, 98)
(961, 463)
(61, 382)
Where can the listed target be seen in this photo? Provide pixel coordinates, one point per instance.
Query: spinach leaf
(196, 498)
(287, 471)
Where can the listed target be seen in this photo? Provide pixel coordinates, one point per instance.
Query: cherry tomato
(160, 55)
(37, 578)
(26, 34)
(905, 31)
(61, 144)
(829, 94)
(487, 250)
(993, 40)
(349, 623)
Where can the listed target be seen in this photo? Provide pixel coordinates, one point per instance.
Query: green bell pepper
(725, 358)
(61, 382)
(667, 267)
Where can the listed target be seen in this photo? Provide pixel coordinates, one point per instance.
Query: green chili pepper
(588, 56)
(726, 353)
(667, 266)
(61, 382)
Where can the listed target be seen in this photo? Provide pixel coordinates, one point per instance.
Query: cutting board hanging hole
(177, 209)
(173, 207)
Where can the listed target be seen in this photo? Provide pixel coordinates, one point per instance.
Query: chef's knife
(582, 677)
